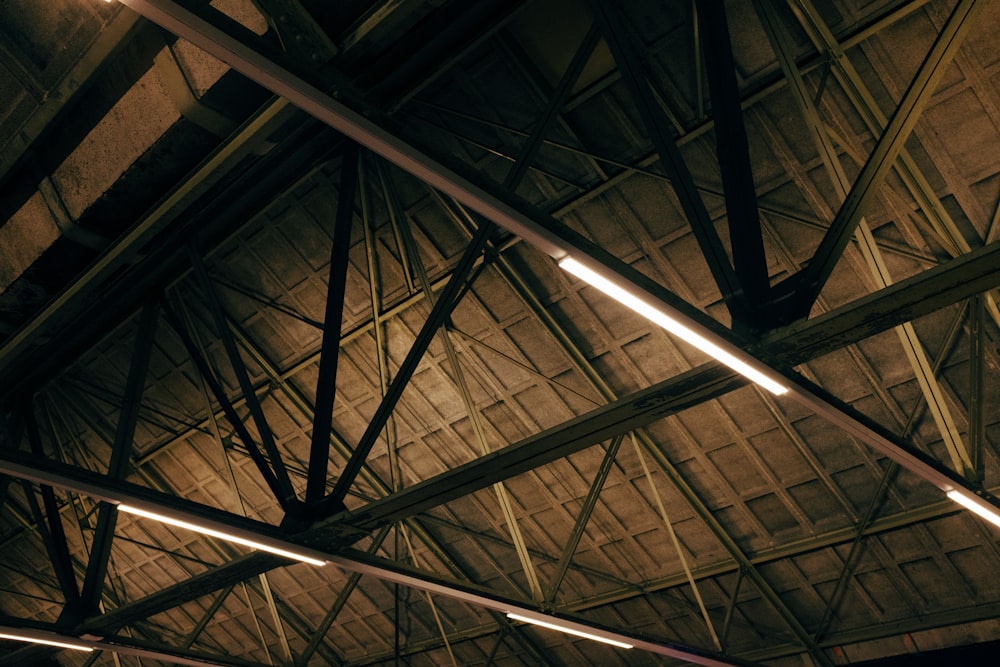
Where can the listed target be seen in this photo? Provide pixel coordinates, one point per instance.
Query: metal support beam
(915, 353)
(207, 617)
(854, 553)
(439, 313)
(833, 52)
(116, 645)
(977, 389)
(390, 571)
(913, 297)
(286, 497)
(55, 536)
(540, 230)
(580, 526)
(227, 407)
(559, 96)
(100, 550)
(733, 151)
(319, 632)
(326, 381)
(86, 482)
(475, 419)
(414, 526)
(612, 25)
(808, 283)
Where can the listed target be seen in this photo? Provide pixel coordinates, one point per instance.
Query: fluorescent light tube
(975, 505)
(570, 631)
(221, 535)
(675, 327)
(47, 642)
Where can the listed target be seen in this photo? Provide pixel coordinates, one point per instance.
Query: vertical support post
(326, 382)
(100, 551)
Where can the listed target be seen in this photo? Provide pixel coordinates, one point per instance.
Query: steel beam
(69, 478)
(442, 309)
(113, 644)
(100, 549)
(687, 492)
(612, 24)
(559, 96)
(733, 151)
(918, 295)
(977, 389)
(227, 407)
(55, 537)
(554, 240)
(492, 203)
(915, 297)
(319, 632)
(300, 401)
(286, 497)
(915, 354)
(326, 381)
(807, 284)
(390, 571)
(254, 563)
(582, 518)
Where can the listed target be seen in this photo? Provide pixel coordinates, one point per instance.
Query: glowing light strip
(657, 316)
(221, 535)
(47, 642)
(570, 631)
(975, 505)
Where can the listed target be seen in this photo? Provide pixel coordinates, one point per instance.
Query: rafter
(326, 381)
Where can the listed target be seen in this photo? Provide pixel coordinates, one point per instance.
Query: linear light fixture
(229, 537)
(975, 505)
(682, 331)
(562, 628)
(38, 639)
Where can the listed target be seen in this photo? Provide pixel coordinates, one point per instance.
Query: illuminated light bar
(657, 316)
(278, 551)
(570, 631)
(39, 639)
(976, 505)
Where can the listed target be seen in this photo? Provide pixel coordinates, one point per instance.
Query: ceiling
(289, 269)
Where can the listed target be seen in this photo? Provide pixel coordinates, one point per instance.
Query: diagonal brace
(439, 314)
(286, 494)
(612, 24)
(227, 407)
(805, 286)
(100, 550)
(55, 536)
